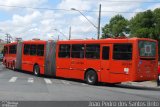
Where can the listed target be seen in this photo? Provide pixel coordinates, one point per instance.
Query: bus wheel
(91, 77)
(13, 66)
(36, 70)
(7, 65)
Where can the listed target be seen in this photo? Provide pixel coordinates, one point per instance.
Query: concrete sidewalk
(147, 84)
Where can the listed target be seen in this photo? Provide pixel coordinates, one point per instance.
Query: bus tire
(13, 66)
(91, 77)
(7, 65)
(36, 70)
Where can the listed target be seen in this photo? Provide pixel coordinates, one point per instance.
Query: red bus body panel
(29, 61)
(9, 59)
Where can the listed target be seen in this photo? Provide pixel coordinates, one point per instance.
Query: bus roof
(35, 41)
(109, 40)
(28, 41)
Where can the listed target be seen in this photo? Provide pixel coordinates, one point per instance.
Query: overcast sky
(31, 23)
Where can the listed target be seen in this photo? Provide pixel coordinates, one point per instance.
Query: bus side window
(77, 51)
(26, 50)
(33, 50)
(40, 50)
(105, 53)
(122, 52)
(64, 51)
(93, 51)
(12, 49)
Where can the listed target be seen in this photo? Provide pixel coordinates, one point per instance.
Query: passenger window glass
(77, 51)
(26, 50)
(93, 51)
(12, 49)
(64, 51)
(105, 53)
(40, 50)
(33, 50)
(122, 51)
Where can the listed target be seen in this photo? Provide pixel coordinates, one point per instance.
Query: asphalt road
(19, 86)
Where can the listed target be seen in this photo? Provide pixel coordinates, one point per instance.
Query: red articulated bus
(106, 60)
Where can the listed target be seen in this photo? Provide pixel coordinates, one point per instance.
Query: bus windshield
(147, 48)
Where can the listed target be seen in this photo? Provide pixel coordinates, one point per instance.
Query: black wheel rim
(35, 71)
(91, 78)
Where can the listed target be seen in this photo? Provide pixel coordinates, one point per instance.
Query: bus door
(63, 60)
(40, 57)
(28, 57)
(121, 63)
(77, 61)
(105, 62)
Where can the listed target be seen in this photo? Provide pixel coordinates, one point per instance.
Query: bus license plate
(159, 77)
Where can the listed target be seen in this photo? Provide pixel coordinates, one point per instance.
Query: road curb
(141, 86)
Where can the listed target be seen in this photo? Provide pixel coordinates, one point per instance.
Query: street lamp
(57, 38)
(99, 20)
(61, 33)
(84, 17)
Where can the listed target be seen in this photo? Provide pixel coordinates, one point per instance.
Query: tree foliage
(143, 25)
(116, 27)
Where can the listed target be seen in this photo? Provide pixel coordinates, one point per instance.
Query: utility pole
(7, 37)
(10, 38)
(99, 22)
(70, 31)
(58, 37)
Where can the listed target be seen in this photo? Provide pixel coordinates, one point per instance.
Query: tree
(144, 24)
(116, 27)
(156, 14)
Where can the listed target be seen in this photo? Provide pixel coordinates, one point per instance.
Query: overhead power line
(38, 8)
(129, 1)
